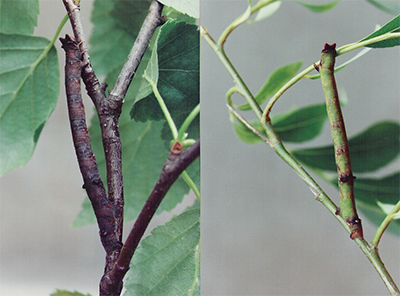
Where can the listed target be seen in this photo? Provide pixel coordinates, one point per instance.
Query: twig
(176, 163)
(347, 206)
(87, 163)
(150, 24)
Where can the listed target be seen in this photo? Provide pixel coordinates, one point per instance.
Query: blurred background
(263, 233)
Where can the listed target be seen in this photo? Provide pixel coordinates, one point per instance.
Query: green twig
(347, 207)
(282, 90)
(352, 46)
(381, 229)
(241, 86)
(242, 19)
(191, 184)
(182, 130)
(163, 107)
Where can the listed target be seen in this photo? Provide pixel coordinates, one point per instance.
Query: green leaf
(370, 150)
(114, 32)
(267, 11)
(29, 90)
(178, 82)
(18, 16)
(296, 125)
(318, 7)
(387, 208)
(370, 192)
(143, 156)
(247, 135)
(390, 6)
(300, 125)
(67, 293)
(190, 7)
(390, 27)
(168, 261)
(275, 81)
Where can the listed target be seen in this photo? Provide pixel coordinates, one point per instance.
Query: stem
(241, 86)
(349, 47)
(176, 163)
(381, 229)
(185, 125)
(150, 24)
(283, 89)
(347, 207)
(246, 123)
(191, 184)
(163, 107)
(242, 19)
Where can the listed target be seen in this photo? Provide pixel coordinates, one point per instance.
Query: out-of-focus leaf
(29, 86)
(275, 81)
(168, 261)
(301, 125)
(190, 7)
(67, 293)
(370, 150)
(143, 156)
(392, 26)
(178, 79)
(368, 192)
(267, 11)
(390, 6)
(247, 135)
(318, 7)
(114, 32)
(18, 16)
(172, 13)
(387, 208)
(296, 125)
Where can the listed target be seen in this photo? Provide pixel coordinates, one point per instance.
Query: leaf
(143, 156)
(114, 32)
(370, 192)
(296, 125)
(168, 261)
(318, 7)
(387, 208)
(172, 13)
(178, 82)
(28, 95)
(190, 7)
(247, 135)
(390, 27)
(370, 150)
(67, 293)
(390, 6)
(18, 16)
(301, 125)
(275, 81)
(267, 11)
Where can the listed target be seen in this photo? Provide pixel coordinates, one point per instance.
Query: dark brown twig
(87, 163)
(176, 163)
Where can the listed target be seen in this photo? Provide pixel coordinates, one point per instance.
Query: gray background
(262, 231)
